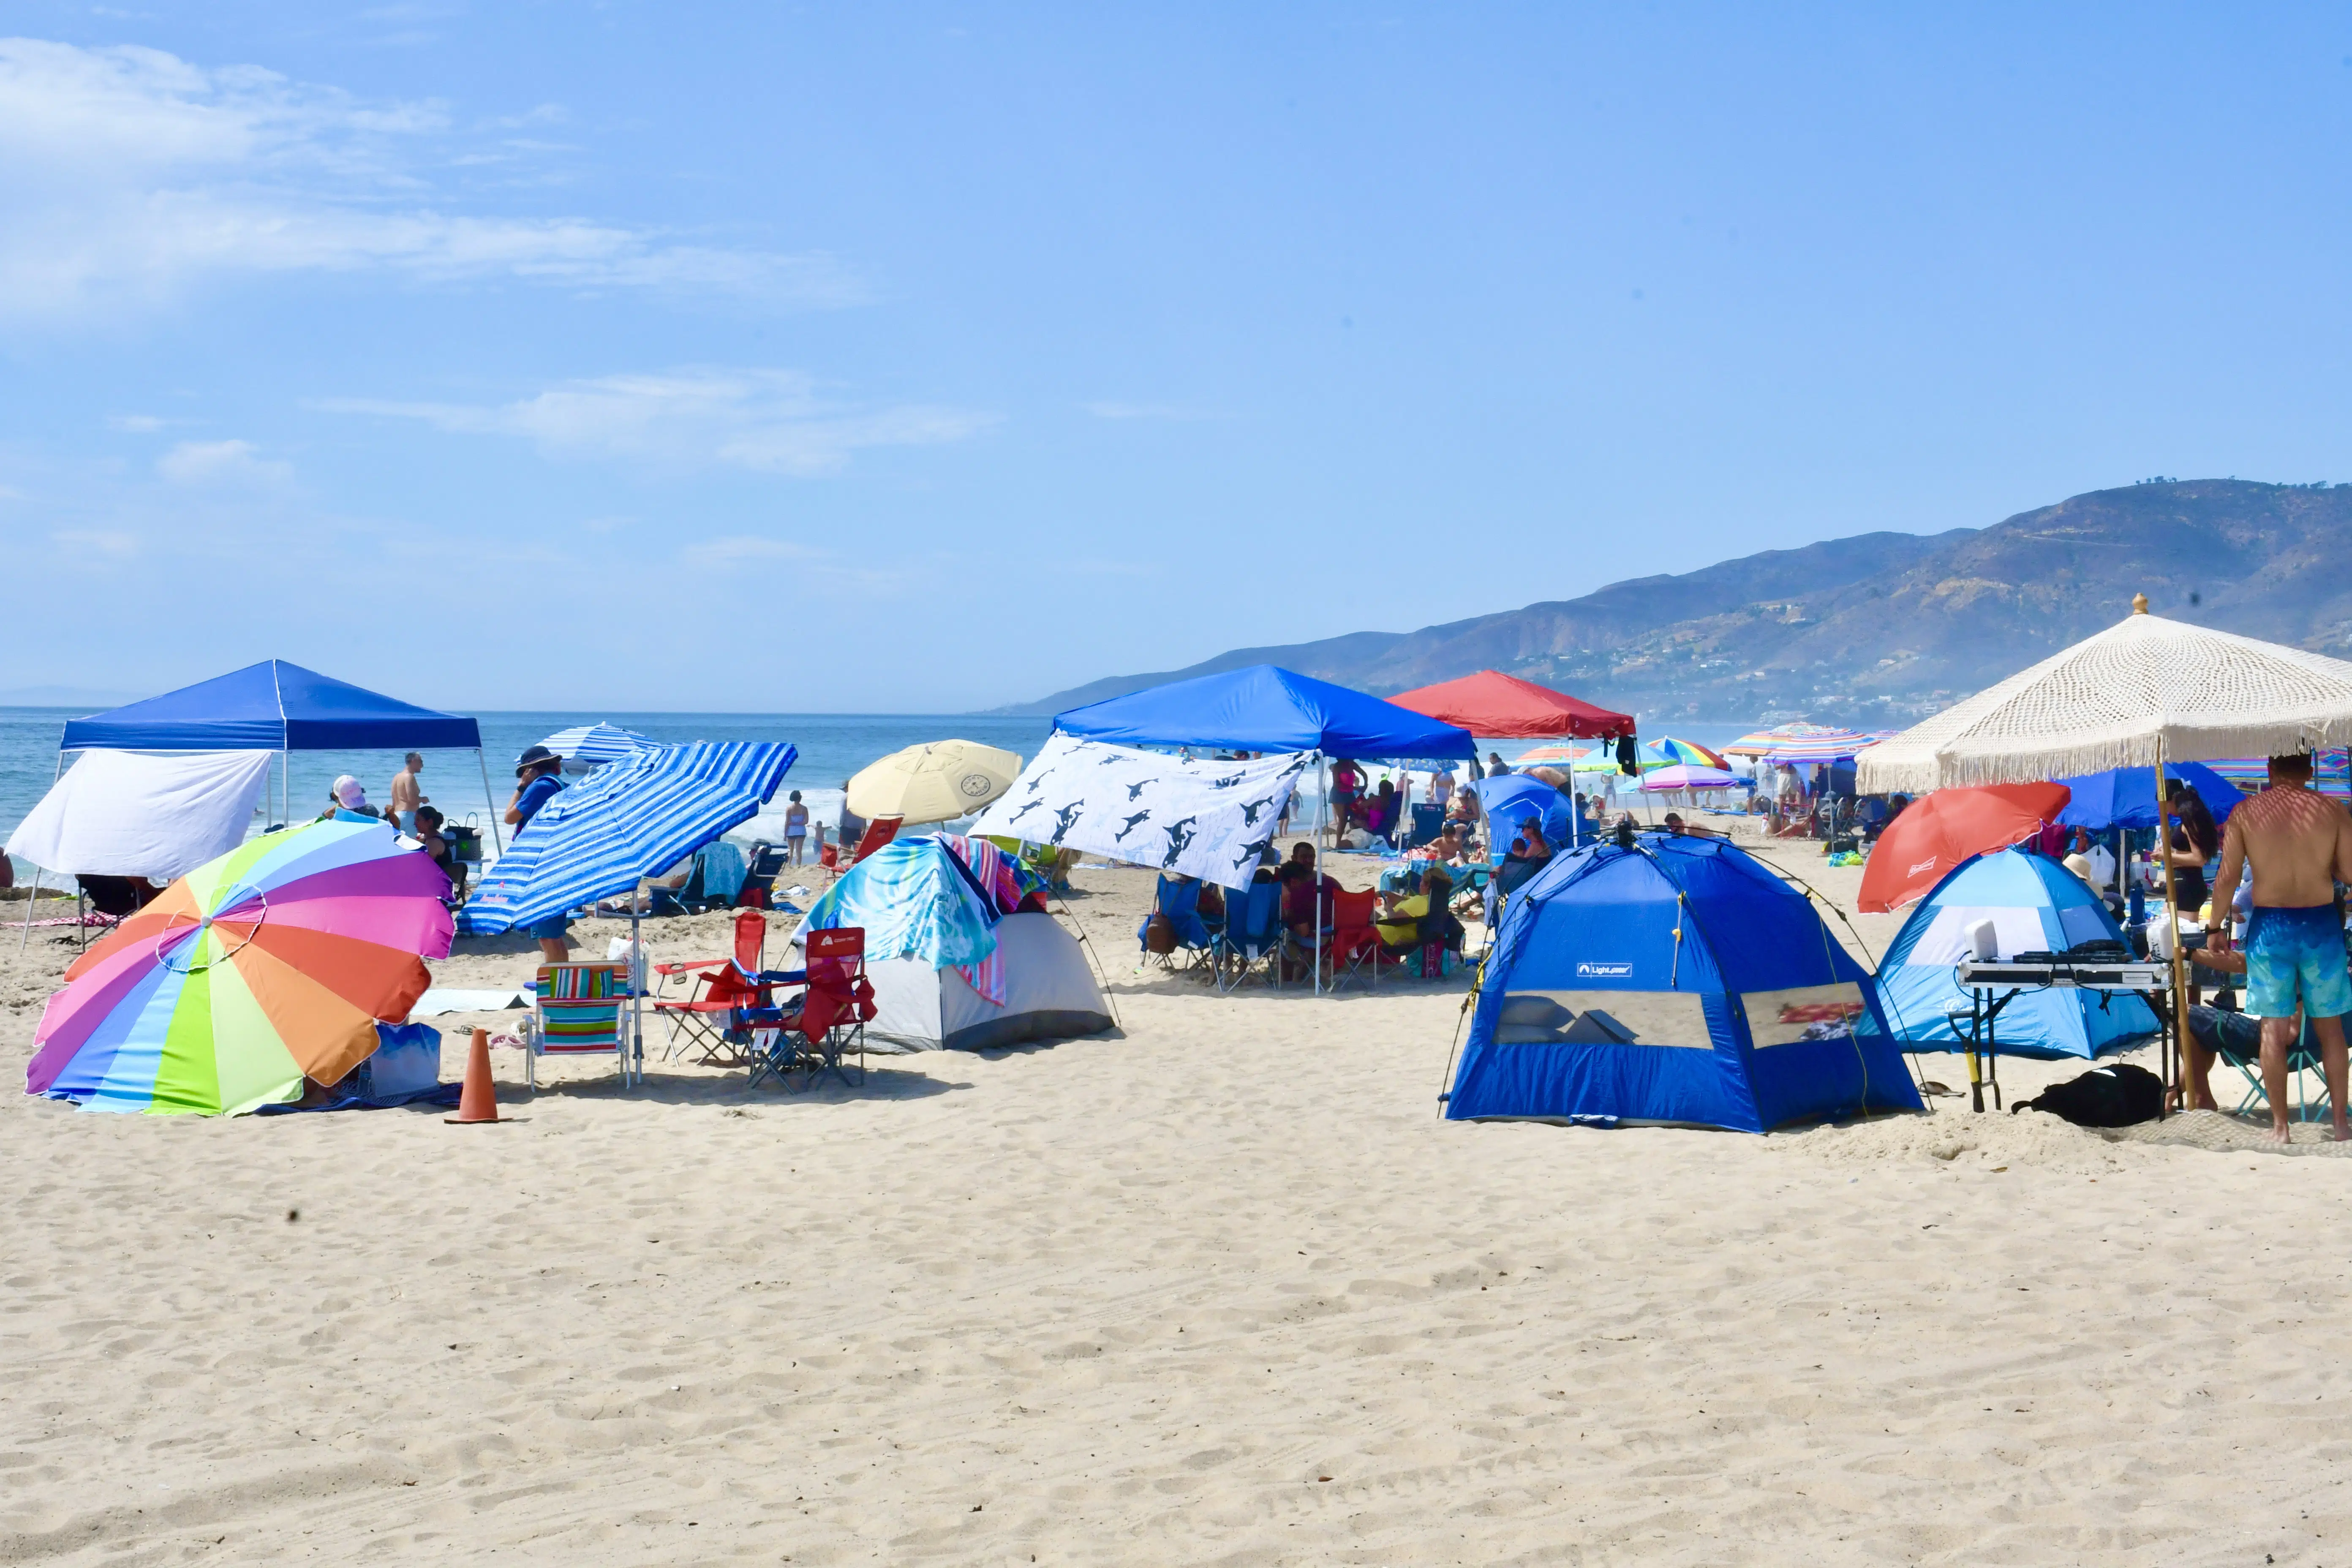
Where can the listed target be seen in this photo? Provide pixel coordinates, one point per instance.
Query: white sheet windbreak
(143, 813)
(1206, 820)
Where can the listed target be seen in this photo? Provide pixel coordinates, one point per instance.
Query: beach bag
(1159, 934)
(2120, 1095)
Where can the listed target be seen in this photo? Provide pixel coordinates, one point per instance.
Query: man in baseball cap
(536, 783)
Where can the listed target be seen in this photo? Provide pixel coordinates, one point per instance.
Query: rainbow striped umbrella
(1689, 753)
(2331, 773)
(1557, 754)
(1763, 741)
(250, 973)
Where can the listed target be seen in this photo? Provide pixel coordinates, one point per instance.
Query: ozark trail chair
(816, 1031)
(706, 1019)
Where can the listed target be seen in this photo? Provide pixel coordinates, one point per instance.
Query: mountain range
(1880, 629)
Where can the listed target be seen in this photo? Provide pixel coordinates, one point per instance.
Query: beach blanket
(439, 1094)
(1208, 819)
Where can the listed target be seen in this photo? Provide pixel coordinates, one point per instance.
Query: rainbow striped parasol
(254, 970)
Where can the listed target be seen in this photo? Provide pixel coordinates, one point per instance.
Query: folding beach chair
(583, 1010)
(1253, 937)
(2237, 1039)
(1181, 902)
(816, 1032)
(762, 866)
(705, 1018)
(1349, 940)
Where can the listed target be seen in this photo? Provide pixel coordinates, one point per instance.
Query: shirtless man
(405, 794)
(2298, 844)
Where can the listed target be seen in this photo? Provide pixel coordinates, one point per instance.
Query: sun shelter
(587, 747)
(1507, 708)
(2126, 797)
(279, 707)
(1265, 708)
(1679, 981)
(1947, 829)
(961, 952)
(1506, 797)
(2035, 905)
(137, 814)
(1212, 820)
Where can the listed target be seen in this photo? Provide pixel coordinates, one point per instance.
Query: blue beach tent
(2126, 797)
(2036, 905)
(1680, 981)
(272, 706)
(1507, 797)
(1264, 708)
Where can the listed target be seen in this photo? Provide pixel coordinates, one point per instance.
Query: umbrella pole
(1322, 798)
(637, 992)
(2175, 1041)
(30, 899)
(491, 800)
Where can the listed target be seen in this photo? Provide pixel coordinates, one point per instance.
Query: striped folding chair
(584, 1010)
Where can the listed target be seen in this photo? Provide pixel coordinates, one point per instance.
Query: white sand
(1223, 1288)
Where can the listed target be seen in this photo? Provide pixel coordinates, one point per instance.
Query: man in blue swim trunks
(2298, 844)
(535, 782)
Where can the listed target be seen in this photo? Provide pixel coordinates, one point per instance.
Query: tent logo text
(1603, 971)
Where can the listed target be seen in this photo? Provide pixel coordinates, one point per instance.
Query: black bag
(2119, 1095)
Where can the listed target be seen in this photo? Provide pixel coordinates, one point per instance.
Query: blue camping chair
(2237, 1039)
(1181, 902)
(1253, 937)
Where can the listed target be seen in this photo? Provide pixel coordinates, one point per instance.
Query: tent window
(1603, 1018)
(1803, 1012)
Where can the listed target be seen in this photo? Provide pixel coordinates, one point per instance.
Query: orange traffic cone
(479, 1102)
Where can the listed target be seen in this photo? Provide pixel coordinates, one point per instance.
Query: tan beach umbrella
(934, 782)
(2146, 692)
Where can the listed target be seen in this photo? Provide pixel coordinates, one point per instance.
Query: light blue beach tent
(1680, 981)
(2036, 905)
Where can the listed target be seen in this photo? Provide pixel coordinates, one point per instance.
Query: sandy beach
(1217, 1287)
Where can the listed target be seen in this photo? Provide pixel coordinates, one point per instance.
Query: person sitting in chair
(1529, 853)
(1412, 922)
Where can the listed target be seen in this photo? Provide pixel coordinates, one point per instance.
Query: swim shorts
(554, 926)
(2302, 949)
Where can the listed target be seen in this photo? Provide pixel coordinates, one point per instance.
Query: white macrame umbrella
(2144, 692)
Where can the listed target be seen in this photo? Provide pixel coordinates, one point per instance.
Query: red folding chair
(1349, 940)
(704, 1019)
(826, 1023)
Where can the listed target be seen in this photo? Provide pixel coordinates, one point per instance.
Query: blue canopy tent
(1265, 708)
(273, 705)
(1679, 981)
(2035, 905)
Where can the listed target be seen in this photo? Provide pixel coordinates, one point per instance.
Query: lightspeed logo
(1603, 971)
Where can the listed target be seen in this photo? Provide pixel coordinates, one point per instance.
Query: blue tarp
(2035, 905)
(1679, 981)
(2126, 797)
(1265, 709)
(272, 706)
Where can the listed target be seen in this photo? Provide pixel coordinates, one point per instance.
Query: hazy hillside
(1883, 626)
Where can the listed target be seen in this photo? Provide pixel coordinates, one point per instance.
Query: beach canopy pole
(490, 799)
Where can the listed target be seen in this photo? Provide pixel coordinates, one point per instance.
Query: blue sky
(924, 357)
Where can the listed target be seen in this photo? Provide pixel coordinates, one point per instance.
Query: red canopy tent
(1507, 708)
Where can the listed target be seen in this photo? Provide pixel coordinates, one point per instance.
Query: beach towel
(723, 870)
(916, 899)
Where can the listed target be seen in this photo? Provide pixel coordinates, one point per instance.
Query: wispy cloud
(771, 421)
(1168, 411)
(127, 172)
(110, 543)
(737, 549)
(221, 463)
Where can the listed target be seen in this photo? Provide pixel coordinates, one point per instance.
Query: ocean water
(833, 746)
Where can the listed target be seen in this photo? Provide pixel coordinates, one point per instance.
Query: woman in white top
(795, 828)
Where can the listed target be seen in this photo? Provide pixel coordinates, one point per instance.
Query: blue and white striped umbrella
(635, 819)
(597, 743)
